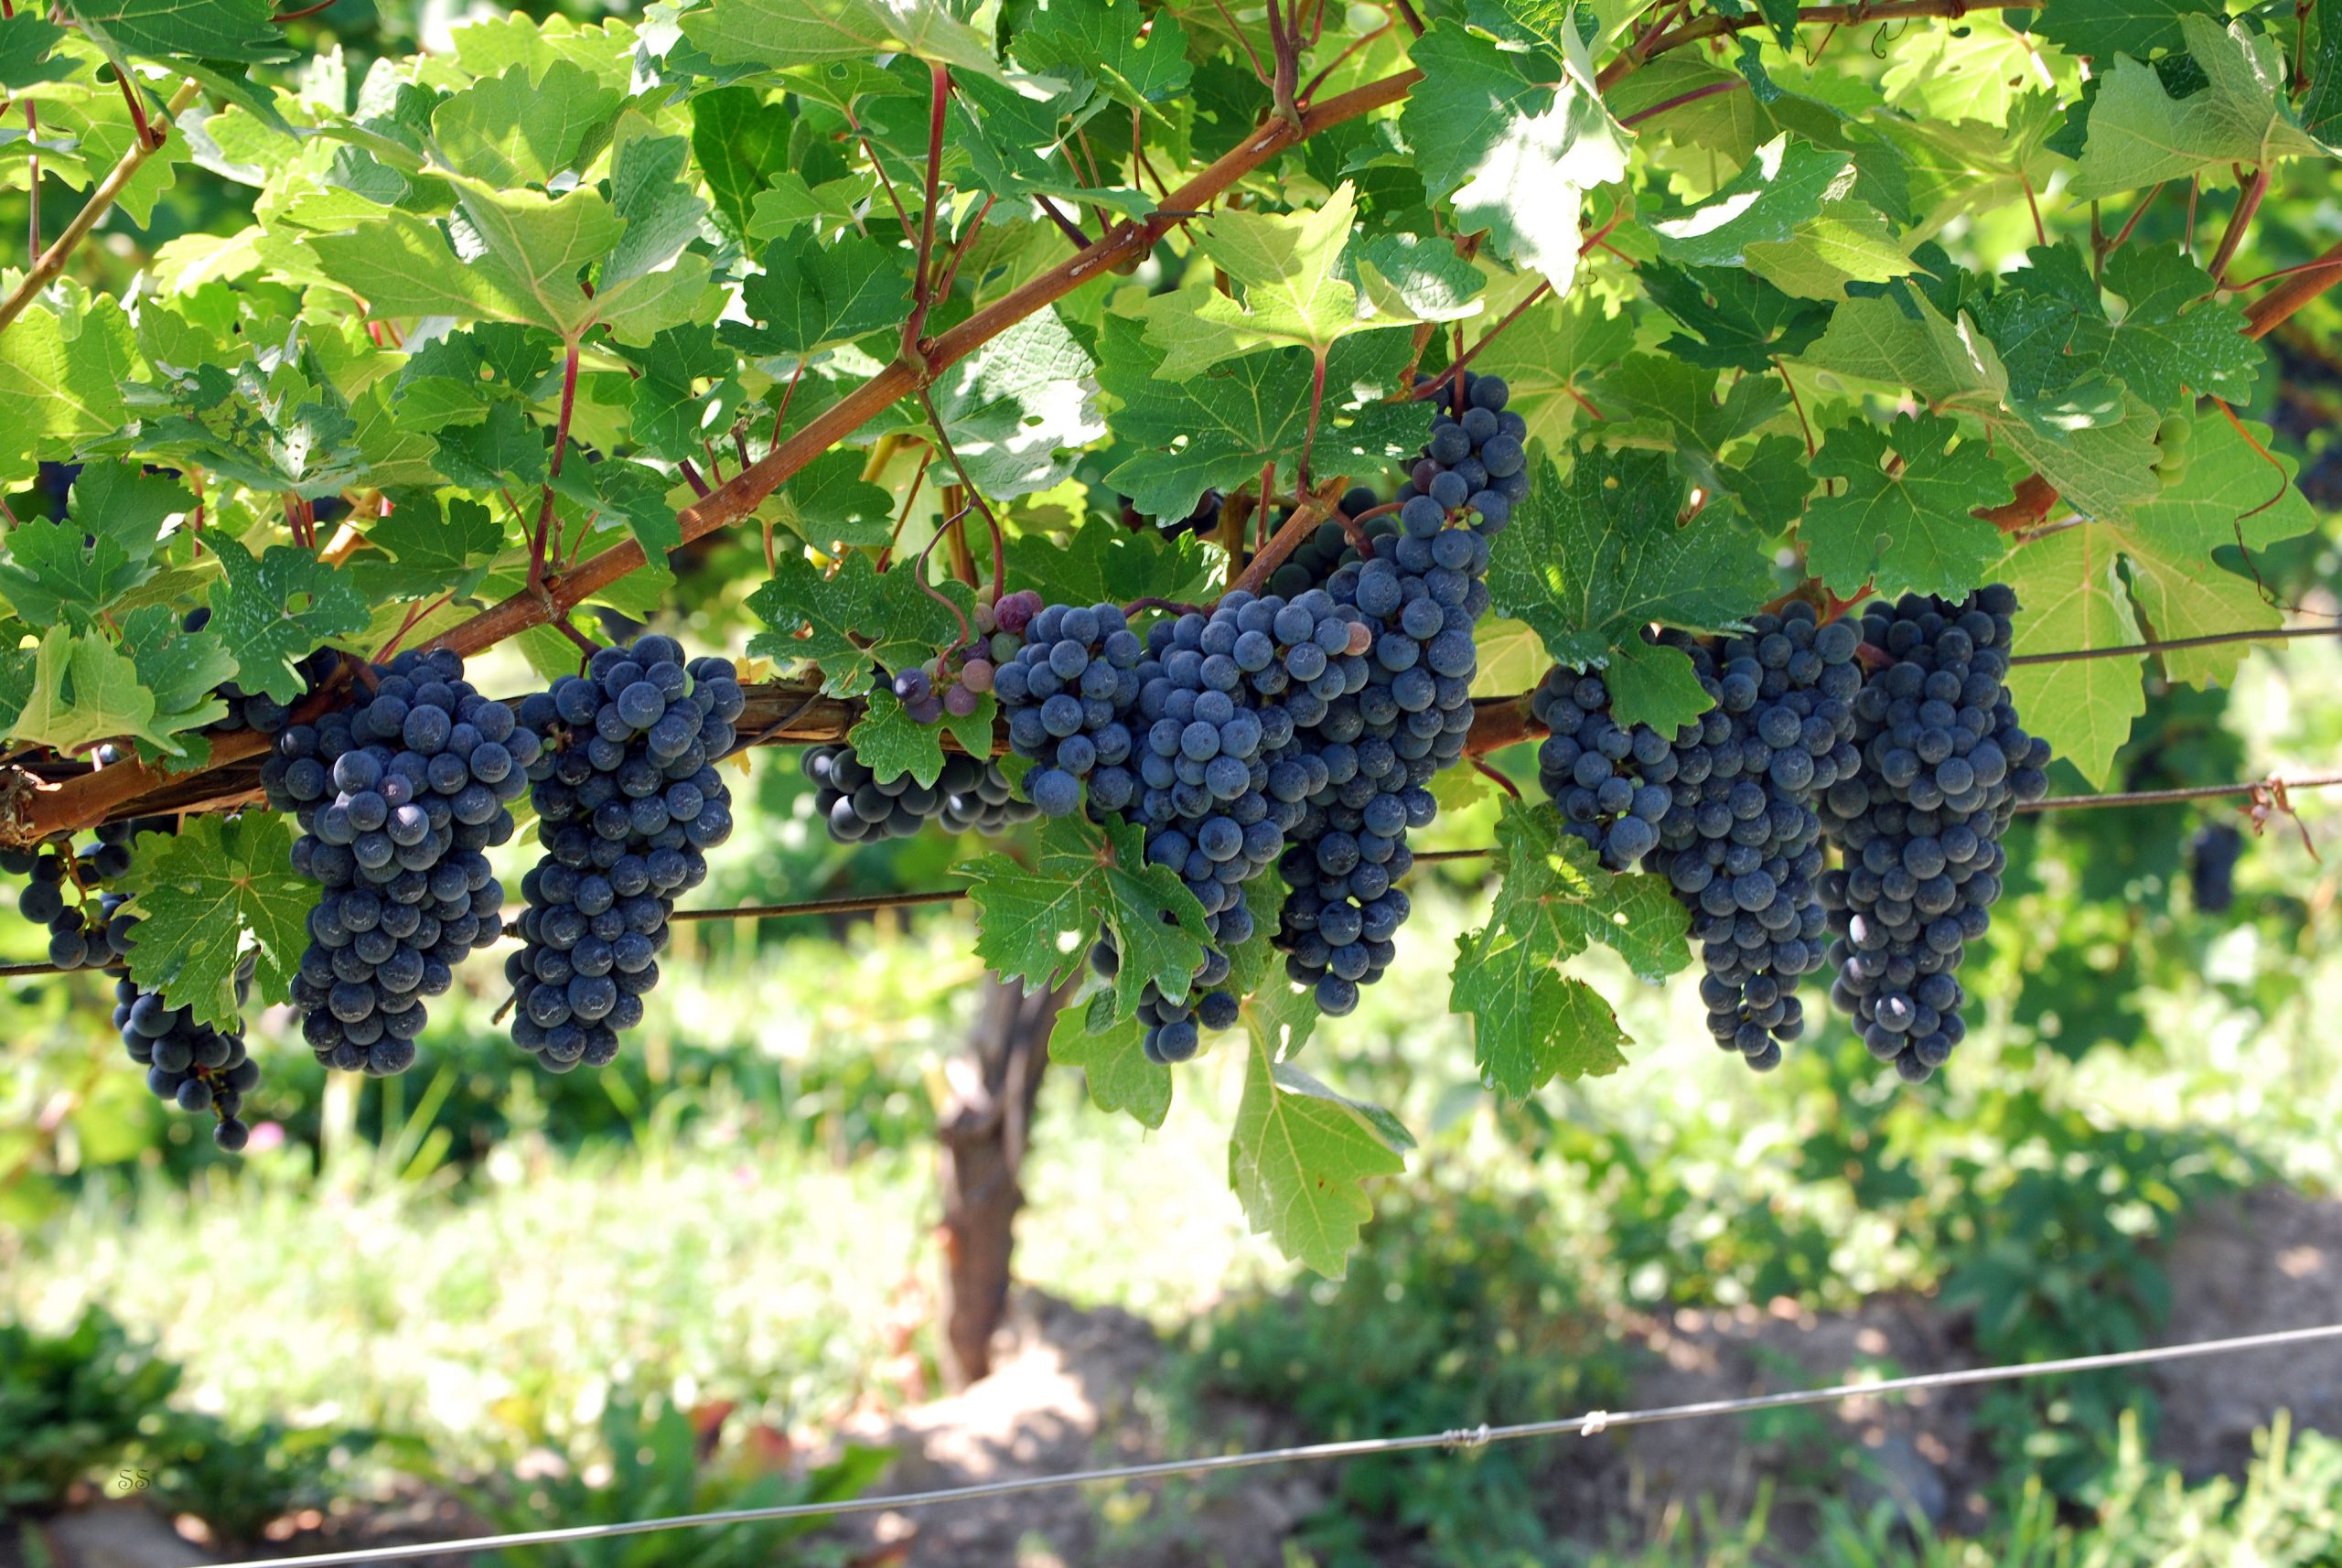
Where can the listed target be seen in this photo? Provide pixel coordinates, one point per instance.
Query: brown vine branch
(52, 260)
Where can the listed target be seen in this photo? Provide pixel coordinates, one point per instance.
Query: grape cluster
(857, 809)
(192, 1065)
(57, 892)
(627, 802)
(1724, 809)
(1944, 764)
(397, 797)
(1223, 776)
(1067, 691)
(2211, 866)
(1418, 595)
(1202, 520)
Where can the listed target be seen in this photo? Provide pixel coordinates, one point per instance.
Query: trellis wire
(867, 903)
(1590, 1424)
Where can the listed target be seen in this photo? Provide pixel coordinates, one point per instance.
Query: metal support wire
(1588, 1424)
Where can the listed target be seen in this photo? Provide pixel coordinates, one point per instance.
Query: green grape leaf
(2094, 583)
(50, 576)
(431, 550)
(1139, 66)
(1299, 1153)
(1217, 431)
(2141, 136)
(1899, 338)
(1674, 403)
(1533, 1023)
(1511, 139)
(505, 449)
(275, 612)
(673, 412)
(1019, 408)
(651, 192)
(1784, 183)
(1104, 563)
(1546, 352)
(26, 39)
(629, 494)
(846, 619)
(1742, 321)
(1296, 284)
(61, 381)
(2321, 110)
(1410, 277)
(202, 895)
(182, 669)
(828, 503)
(813, 294)
(891, 743)
(453, 379)
(534, 249)
(242, 30)
(83, 690)
(777, 34)
(523, 127)
(742, 145)
(1088, 880)
(1112, 1055)
(1592, 559)
(2176, 339)
(2105, 28)
(1905, 522)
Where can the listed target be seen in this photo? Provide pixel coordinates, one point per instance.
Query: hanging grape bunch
(62, 891)
(627, 800)
(1221, 777)
(194, 1065)
(397, 796)
(1382, 741)
(1067, 694)
(857, 809)
(1944, 767)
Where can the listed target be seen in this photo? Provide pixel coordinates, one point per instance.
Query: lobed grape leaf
(848, 619)
(1299, 1153)
(204, 896)
(1783, 184)
(1216, 431)
(890, 743)
(1088, 880)
(1533, 1023)
(813, 296)
(242, 30)
(1742, 321)
(522, 127)
(778, 34)
(2140, 135)
(2176, 337)
(1104, 563)
(1111, 1054)
(183, 669)
(2094, 583)
(1019, 408)
(1139, 60)
(1905, 521)
(61, 380)
(82, 691)
(1592, 559)
(26, 40)
(274, 611)
(828, 503)
(431, 550)
(1511, 139)
(2105, 28)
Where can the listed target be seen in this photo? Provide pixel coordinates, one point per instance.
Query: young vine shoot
(1736, 456)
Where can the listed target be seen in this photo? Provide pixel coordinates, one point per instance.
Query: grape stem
(1306, 517)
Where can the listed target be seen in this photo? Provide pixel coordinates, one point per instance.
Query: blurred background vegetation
(483, 1297)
